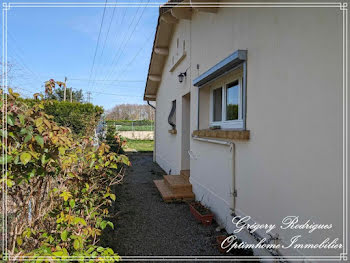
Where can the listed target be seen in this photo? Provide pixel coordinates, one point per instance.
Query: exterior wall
(168, 146)
(292, 164)
(137, 135)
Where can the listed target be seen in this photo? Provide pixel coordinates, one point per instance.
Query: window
(232, 101)
(226, 105)
(224, 88)
(217, 104)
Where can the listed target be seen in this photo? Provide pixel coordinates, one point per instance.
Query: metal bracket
(235, 193)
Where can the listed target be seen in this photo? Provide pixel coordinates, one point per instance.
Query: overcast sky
(45, 43)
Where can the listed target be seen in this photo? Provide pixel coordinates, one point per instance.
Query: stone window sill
(223, 134)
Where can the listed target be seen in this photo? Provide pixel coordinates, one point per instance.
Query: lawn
(139, 145)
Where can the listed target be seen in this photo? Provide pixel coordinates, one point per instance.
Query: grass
(139, 145)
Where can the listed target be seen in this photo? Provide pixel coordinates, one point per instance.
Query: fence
(138, 125)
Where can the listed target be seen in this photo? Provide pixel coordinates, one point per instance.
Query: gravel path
(146, 225)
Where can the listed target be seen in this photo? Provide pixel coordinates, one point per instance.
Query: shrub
(113, 140)
(81, 118)
(59, 187)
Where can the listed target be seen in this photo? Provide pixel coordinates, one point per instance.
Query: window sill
(173, 131)
(223, 134)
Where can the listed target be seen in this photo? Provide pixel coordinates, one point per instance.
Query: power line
(109, 28)
(117, 44)
(15, 87)
(93, 87)
(15, 45)
(98, 41)
(119, 80)
(119, 35)
(133, 59)
(114, 94)
(122, 51)
(123, 43)
(104, 44)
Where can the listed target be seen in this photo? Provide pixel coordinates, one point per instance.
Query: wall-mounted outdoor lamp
(181, 76)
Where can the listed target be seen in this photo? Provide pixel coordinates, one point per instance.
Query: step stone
(169, 195)
(178, 184)
(185, 174)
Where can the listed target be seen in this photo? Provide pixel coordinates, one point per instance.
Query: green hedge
(130, 122)
(81, 118)
(135, 128)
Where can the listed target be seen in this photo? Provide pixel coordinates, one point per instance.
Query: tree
(58, 94)
(131, 112)
(113, 140)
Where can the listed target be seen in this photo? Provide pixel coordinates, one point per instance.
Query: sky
(55, 42)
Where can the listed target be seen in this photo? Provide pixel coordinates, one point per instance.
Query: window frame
(227, 124)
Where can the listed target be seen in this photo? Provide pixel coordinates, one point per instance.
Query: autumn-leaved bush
(59, 188)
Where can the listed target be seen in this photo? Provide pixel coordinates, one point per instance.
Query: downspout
(234, 194)
(151, 105)
(154, 132)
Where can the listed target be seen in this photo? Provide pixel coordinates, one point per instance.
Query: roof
(169, 15)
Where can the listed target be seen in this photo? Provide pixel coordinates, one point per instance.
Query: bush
(59, 187)
(81, 118)
(114, 141)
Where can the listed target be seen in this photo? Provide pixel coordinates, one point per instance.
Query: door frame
(185, 131)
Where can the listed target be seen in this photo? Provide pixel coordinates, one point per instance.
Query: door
(185, 131)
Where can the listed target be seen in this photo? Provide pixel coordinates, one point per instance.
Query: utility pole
(65, 89)
(88, 96)
(71, 93)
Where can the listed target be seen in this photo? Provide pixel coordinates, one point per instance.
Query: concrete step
(185, 174)
(178, 183)
(168, 193)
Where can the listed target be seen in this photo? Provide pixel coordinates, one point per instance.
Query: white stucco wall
(168, 146)
(292, 164)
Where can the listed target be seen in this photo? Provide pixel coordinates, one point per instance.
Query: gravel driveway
(146, 226)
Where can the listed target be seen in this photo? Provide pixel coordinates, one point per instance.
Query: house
(249, 107)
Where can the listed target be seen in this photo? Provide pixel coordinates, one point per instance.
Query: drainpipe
(151, 105)
(154, 132)
(233, 150)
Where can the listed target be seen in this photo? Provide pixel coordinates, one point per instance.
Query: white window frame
(227, 124)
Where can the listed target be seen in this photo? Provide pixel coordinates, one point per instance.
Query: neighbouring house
(249, 111)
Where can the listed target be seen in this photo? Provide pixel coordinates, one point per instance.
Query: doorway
(185, 131)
